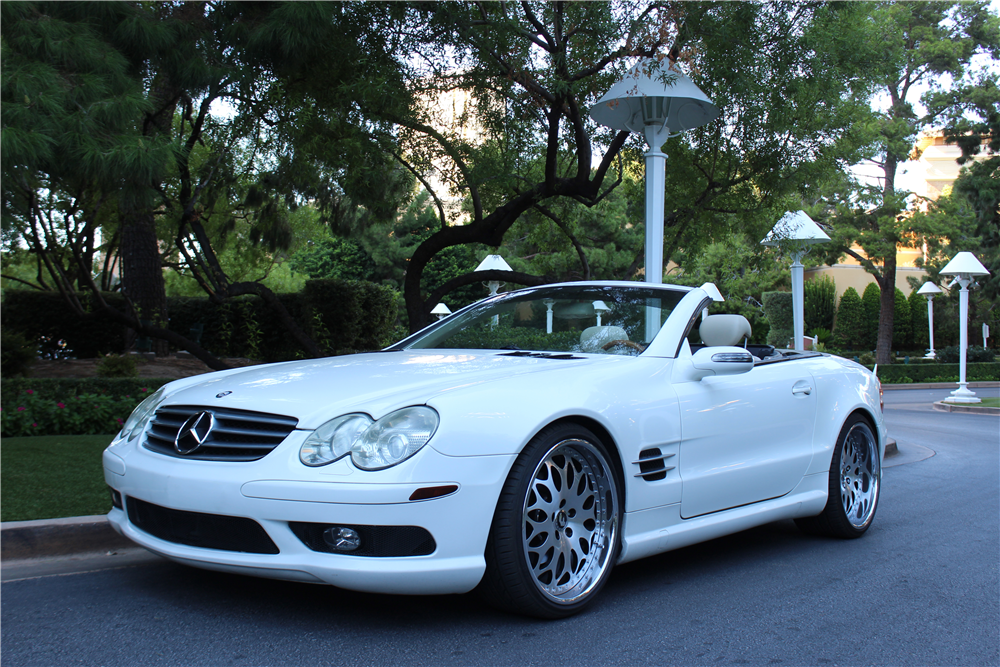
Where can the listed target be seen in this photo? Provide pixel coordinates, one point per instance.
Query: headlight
(143, 412)
(372, 445)
(333, 439)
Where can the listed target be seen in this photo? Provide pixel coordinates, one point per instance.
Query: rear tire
(556, 531)
(854, 484)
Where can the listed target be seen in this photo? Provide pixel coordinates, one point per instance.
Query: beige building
(935, 169)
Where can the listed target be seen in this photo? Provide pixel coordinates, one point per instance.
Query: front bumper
(278, 490)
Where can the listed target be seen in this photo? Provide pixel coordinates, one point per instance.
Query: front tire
(854, 485)
(556, 531)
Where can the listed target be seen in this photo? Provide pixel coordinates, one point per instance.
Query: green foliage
(117, 366)
(357, 316)
(17, 354)
(15, 387)
(906, 373)
(871, 303)
(502, 337)
(820, 302)
(46, 319)
(778, 308)
(867, 358)
(918, 322)
(902, 328)
(32, 412)
(50, 477)
(973, 354)
(850, 328)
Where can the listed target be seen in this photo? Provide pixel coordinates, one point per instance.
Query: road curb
(21, 540)
(972, 409)
(77, 536)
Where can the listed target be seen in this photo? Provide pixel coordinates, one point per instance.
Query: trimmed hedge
(12, 388)
(340, 315)
(904, 373)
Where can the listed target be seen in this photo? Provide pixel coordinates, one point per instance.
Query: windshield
(594, 319)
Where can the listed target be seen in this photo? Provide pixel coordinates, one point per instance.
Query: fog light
(116, 499)
(342, 539)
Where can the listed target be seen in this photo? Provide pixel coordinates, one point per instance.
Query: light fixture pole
(494, 263)
(658, 103)
(964, 266)
(799, 232)
(930, 290)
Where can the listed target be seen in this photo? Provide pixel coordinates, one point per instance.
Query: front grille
(376, 541)
(209, 531)
(237, 435)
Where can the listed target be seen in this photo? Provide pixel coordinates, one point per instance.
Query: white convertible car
(522, 446)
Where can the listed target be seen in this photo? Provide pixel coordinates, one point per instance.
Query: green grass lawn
(990, 403)
(51, 476)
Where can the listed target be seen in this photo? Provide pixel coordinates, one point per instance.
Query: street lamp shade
(797, 228)
(653, 94)
(965, 264)
(441, 310)
(929, 290)
(493, 263)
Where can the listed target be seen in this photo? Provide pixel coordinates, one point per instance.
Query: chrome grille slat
(238, 435)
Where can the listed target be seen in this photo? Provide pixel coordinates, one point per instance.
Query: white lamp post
(799, 232)
(964, 266)
(658, 103)
(442, 311)
(600, 308)
(930, 290)
(493, 263)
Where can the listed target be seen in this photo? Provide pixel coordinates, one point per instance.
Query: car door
(745, 438)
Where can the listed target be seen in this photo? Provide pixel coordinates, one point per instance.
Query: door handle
(802, 388)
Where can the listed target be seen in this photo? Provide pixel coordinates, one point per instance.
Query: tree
(125, 90)
(533, 69)
(924, 44)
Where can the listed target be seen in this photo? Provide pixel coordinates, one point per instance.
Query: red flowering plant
(87, 414)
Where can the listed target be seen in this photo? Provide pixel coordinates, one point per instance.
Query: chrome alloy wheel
(859, 475)
(570, 519)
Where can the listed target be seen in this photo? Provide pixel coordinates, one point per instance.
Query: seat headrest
(718, 330)
(593, 338)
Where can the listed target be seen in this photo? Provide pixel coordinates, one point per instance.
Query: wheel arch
(598, 429)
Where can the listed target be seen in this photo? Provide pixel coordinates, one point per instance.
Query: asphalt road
(921, 588)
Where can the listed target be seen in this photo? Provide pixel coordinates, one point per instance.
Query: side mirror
(722, 360)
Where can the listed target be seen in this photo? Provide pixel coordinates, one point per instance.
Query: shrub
(918, 321)
(849, 326)
(902, 330)
(871, 304)
(30, 412)
(778, 308)
(117, 366)
(866, 358)
(17, 354)
(973, 354)
(820, 302)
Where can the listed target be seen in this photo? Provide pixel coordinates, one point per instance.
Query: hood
(317, 390)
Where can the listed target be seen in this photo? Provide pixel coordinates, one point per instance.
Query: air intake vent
(652, 464)
(225, 435)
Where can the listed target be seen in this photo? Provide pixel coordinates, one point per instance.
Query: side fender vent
(653, 464)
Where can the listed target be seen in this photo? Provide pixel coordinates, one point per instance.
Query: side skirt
(659, 529)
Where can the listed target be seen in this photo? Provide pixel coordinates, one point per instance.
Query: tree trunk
(142, 273)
